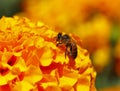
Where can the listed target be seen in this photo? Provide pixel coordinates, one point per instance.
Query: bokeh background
(96, 22)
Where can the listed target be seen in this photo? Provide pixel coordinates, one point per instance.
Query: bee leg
(65, 54)
(58, 44)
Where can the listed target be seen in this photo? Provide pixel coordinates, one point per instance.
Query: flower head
(31, 61)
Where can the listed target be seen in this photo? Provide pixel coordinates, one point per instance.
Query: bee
(70, 44)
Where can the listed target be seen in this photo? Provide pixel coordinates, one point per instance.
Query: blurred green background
(9, 7)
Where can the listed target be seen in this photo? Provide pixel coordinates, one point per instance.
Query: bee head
(59, 37)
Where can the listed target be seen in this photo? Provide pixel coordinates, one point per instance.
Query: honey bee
(70, 44)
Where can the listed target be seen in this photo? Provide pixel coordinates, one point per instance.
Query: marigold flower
(31, 61)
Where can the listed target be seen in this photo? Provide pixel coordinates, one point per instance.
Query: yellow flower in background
(31, 61)
(101, 59)
(64, 15)
(95, 33)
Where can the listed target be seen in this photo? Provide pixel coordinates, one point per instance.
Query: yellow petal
(20, 64)
(82, 88)
(5, 79)
(33, 74)
(46, 59)
(67, 81)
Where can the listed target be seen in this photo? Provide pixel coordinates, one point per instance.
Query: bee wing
(77, 39)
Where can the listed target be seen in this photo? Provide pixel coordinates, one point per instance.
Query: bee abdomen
(74, 52)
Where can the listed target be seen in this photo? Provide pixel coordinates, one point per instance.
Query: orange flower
(31, 61)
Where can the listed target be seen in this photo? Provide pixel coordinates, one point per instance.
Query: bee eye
(66, 36)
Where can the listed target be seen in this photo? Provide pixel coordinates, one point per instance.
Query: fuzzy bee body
(71, 47)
